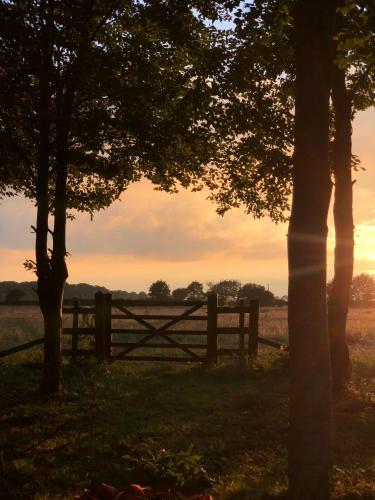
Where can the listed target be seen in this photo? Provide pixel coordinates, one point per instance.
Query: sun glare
(365, 245)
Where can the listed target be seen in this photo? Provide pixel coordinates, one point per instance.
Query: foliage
(94, 96)
(182, 469)
(72, 291)
(363, 289)
(179, 293)
(159, 290)
(254, 166)
(254, 291)
(355, 51)
(27, 288)
(14, 295)
(142, 97)
(227, 290)
(237, 422)
(195, 291)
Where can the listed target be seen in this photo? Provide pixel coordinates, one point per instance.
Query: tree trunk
(47, 291)
(310, 384)
(339, 296)
(52, 270)
(52, 315)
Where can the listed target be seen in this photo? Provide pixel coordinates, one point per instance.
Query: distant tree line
(229, 292)
(12, 291)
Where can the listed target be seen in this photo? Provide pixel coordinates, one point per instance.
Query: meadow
(222, 429)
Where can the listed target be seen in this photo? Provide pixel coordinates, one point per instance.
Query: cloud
(151, 235)
(150, 224)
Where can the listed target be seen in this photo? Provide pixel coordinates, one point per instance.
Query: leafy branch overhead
(142, 104)
(256, 95)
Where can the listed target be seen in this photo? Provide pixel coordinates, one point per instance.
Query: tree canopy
(254, 167)
(227, 290)
(159, 290)
(253, 291)
(363, 289)
(95, 95)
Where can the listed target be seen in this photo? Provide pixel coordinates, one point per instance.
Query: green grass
(112, 423)
(222, 429)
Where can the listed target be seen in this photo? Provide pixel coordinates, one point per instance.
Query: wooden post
(212, 328)
(241, 340)
(254, 328)
(108, 325)
(75, 330)
(99, 326)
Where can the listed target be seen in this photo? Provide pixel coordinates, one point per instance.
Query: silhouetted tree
(14, 295)
(339, 296)
(159, 290)
(195, 291)
(259, 89)
(227, 290)
(353, 90)
(310, 383)
(180, 293)
(95, 95)
(362, 289)
(254, 291)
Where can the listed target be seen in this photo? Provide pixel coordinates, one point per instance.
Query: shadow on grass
(236, 421)
(56, 446)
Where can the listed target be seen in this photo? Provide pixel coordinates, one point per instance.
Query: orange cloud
(151, 235)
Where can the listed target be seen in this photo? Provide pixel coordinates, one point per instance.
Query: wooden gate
(167, 330)
(94, 329)
(158, 336)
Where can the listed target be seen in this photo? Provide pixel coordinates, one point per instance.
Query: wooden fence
(161, 331)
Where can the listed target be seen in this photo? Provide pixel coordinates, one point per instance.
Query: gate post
(242, 356)
(100, 326)
(212, 328)
(254, 328)
(108, 325)
(75, 330)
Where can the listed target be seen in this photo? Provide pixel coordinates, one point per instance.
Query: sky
(151, 235)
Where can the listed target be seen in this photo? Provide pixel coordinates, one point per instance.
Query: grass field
(222, 429)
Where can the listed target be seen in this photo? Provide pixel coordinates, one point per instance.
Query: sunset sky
(151, 235)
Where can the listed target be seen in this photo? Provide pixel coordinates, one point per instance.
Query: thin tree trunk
(48, 295)
(51, 283)
(310, 384)
(339, 296)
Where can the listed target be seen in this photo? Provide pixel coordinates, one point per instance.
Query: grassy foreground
(145, 423)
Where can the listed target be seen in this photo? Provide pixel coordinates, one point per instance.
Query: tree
(353, 89)
(195, 291)
(254, 109)
(338, 300)
(180, 293)
(310, 387)
(362, 289)
(259, 93)
(95, 95)
(253, 291)
(14, 295)
(159, 290)
(227, 290)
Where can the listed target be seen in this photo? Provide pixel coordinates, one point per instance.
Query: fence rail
(22, 347)
(156, 336)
